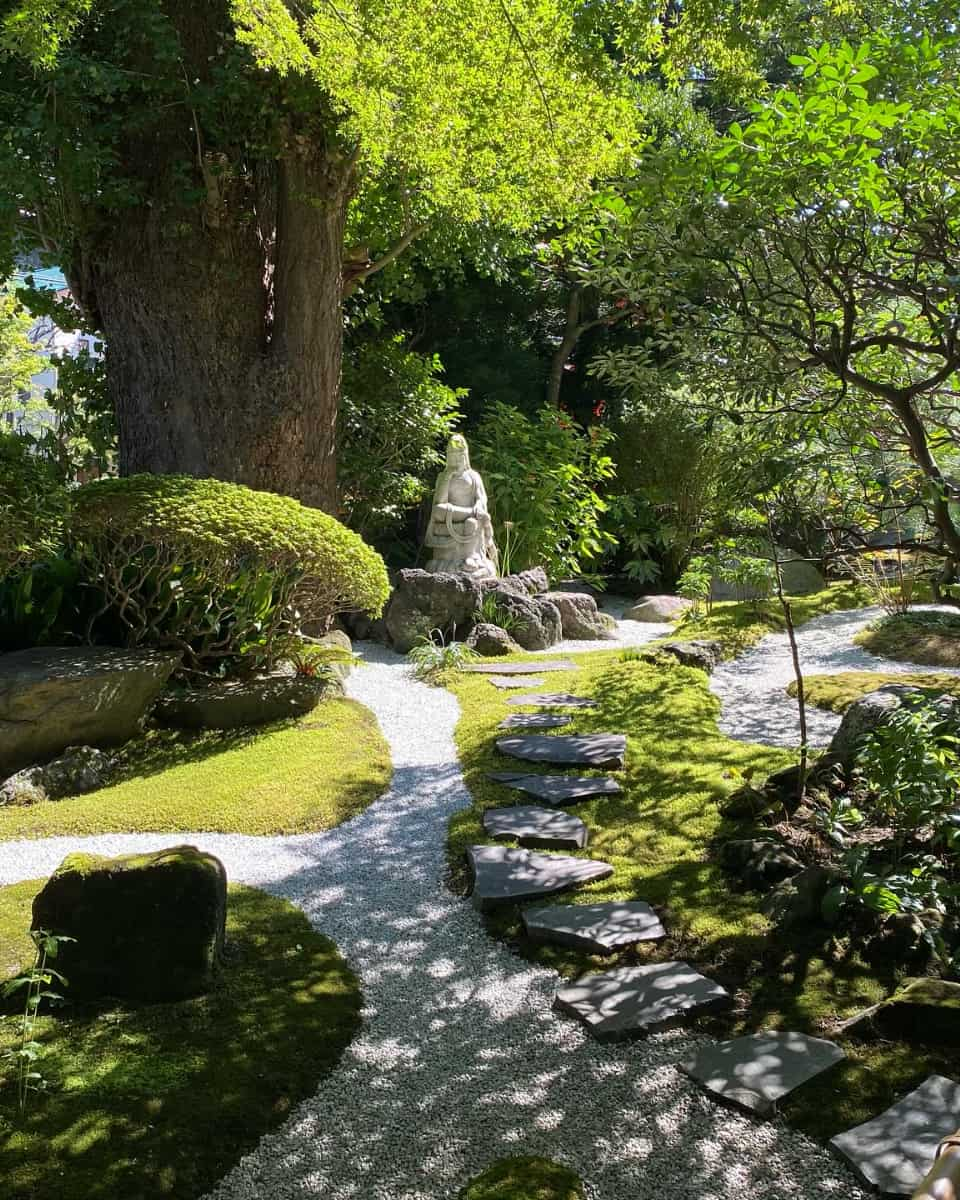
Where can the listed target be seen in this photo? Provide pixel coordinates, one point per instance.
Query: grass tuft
(524, 1177)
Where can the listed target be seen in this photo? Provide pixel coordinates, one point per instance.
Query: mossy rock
(921, 1010)
(145, 926)
(525, 1177)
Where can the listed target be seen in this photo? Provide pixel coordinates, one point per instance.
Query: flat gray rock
(754, 1072)
(639, 1000)
(894, 1151)
(534, 667)
(594, 928)
(558, 789)
(534, 721)
(514, 681)
(553, 700)
(583, 750)
(533, 826)
(502, 875)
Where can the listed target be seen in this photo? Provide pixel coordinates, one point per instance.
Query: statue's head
(458, 455)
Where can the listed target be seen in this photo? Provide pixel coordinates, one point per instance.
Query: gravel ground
(461, 1059)
(752, 688)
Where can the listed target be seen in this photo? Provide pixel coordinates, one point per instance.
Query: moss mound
(524, 1177)
(294, 777)
(837, 692)
(929, 638)
(161, 1100)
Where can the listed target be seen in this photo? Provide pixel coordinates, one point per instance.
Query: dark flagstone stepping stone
(502, 875)
(521, 668)
(594, 928)
(514, 681)
(583, 750)
(894, 1151)
(553, 700)
(534, 721)
(640, 1000)
(532, 826)
(558, 789)
(754, 1072)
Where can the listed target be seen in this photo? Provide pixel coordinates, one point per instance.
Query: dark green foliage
(145, 926)
(223, 573)
(33, 506)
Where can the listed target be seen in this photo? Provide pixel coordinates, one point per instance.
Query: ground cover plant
(292, 777)
(929, 638)
(159, 1100)
(836, 693)
(662, 834)
(524, 1177)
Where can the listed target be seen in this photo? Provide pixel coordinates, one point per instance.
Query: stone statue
(460, 532)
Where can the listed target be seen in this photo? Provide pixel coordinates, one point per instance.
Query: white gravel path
(461, 1059)
(752, 688)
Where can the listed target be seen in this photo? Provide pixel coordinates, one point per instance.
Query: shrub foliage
(32, 506)
(218, 571)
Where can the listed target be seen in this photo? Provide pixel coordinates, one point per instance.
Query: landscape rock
(423, 601)
(558, 789)
(502, 875)
(535, 721)
(532, 582)
(594, 928)
(79, 769)
(602, 750)
(53, 697)
(490, 640)
(511, 683)
(800, 578)
(902, 939)
(920, 1010)
(334, 639)
(146, 926)
(698, 652)
(243, 702)
(552, 700)
(640, 1000)
(797, 901)
(759, 862)
(533, 621)
(545, 828)
(534, 667)
(579, 616)
(875, 709)
(657, 609)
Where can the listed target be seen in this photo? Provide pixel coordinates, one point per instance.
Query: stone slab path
(553, 700)
(505, 876)
(594, 928)
(533, 667)
(534, 721)
(632, 1001)
(756, 1071)
(895, 1150)
(460, 1060)
(540, 827)
(603, 750)
(558, 789)
(514, 681)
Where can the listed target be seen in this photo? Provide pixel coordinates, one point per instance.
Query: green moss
(929, 638)
(837, 692)
(159, 1101)
(524, 1177)
(295, 777)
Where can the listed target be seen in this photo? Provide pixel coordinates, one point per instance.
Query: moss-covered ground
(929, 638)
(837, 692)
(293, 777)
(524, 1178)
(159, 1101)
(660, 835)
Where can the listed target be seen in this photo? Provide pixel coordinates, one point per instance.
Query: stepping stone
(532, 826)
(754, 1072)
(640, 1000)
(521, 668)
(558, 789)
(514, 681)
(594, 928)
(534, 721)
(894, 1151)
(554, 700)
(584, 750)
(502, 875)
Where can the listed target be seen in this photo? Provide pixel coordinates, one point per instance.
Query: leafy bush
(542, 475)
(220, 572)
(33, 506)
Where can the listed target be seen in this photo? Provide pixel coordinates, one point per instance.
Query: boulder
(579, 615)
(920, 1010)
(334, 639)
(244, 702)
(423, 601)
(53, 697)
(901, 939)
(800, 578)
(875, 709)
(146, 926)
(534, 621)
(698, 652)
(797, 901)
(759, 862)
(79, 769)
(490, 640)
(657, 609)
(532, 582)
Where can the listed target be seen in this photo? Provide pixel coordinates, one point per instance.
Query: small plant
(498, 614)
(894, 590)
(836, 822)
(694, 585)
(432, 658)
(506, 546)
(35, 984)
(632, 654)
(311, 665)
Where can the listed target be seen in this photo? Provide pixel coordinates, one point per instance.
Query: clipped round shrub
(32, 506)
(221, 572)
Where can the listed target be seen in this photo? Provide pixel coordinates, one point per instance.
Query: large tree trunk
(225, 331)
